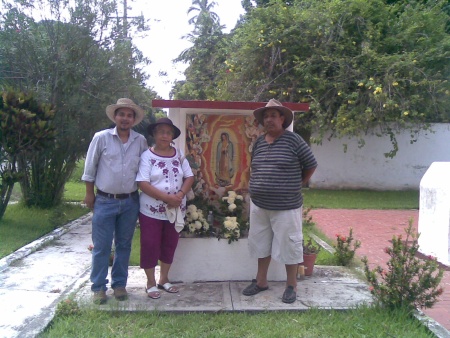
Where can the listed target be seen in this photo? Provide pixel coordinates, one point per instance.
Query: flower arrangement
(408, 282)
(233, 200)
(195, 221)
(233, 224)
(231, 229)
(345, 248)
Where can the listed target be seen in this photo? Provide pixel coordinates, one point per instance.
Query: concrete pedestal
(434, 213)
(209, 259)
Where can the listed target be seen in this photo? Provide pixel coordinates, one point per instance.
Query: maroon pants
(159, 239)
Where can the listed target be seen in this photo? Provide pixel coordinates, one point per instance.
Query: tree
(362, 66)
(25, 127)
(204, 56)
(248, 5)
(206, 21)
(80, 64)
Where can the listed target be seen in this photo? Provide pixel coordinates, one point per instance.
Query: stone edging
(5, 262)
(431, 324)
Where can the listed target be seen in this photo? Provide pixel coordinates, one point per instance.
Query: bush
(344, 251)
(307, 218)
(409, 282)
(68, 307)
(78, 172)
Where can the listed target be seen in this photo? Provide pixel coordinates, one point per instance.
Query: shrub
(78, 172)
(68, 307)
(408, 282)
(307, 218)
(345, 248)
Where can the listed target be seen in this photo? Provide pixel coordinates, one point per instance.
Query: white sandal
(151, 290)
(168, 287)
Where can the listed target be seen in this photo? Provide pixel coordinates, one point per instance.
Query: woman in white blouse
(164, 178)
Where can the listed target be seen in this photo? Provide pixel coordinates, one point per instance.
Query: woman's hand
(174, 201)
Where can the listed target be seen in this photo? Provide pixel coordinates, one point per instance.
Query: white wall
(434, 211)
(367, 167)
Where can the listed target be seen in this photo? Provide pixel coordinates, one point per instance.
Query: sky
(169, 23)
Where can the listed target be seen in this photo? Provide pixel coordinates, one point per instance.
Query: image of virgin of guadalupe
(224, 161)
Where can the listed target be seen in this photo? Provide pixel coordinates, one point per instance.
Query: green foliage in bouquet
(234, 223)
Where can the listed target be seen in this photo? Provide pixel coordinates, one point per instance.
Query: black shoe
(253, 289)
(289, 295)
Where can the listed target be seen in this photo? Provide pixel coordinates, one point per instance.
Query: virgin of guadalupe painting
(224, 161)
(218, 148)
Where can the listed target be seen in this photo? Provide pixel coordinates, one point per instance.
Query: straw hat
(125, 103)
(274, 104)
(164, 120)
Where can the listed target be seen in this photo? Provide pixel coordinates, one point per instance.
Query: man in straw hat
(111, 165)
(281, 163)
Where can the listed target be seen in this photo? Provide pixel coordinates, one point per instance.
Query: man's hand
(89, 200)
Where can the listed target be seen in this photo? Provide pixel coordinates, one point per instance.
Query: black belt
(116, 196)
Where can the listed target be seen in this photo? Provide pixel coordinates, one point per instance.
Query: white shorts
(276, 233)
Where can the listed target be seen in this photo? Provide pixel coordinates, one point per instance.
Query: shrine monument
(217, 138)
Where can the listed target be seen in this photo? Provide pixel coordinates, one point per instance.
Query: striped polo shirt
(276, 171)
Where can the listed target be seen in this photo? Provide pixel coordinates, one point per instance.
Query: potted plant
(310, 252)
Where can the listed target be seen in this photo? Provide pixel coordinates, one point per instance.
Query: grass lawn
(74, 192)
(361, 199)
(360, 322)
(20, 226)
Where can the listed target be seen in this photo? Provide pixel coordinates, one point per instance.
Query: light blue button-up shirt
(113, 165)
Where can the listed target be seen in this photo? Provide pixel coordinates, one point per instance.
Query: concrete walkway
(37, 277)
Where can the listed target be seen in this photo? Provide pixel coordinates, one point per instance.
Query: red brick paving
(375, 228)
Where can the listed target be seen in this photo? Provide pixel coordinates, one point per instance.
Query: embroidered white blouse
(165, 174)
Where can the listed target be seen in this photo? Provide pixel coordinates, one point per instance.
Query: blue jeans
(113, 218)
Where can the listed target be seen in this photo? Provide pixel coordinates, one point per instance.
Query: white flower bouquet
(195, 222)
(232, 207)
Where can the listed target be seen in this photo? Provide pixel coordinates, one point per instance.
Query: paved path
(375, 228)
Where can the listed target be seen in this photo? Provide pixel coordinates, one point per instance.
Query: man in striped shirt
(281, 163)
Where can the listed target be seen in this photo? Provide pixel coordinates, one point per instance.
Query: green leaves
(364, 66)
(408, 281)
(77, 58)
(25, 127)
(345, 248)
